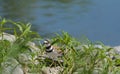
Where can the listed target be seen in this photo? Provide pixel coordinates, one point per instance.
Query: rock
(117, 49)
(6, 36)
(52, 70)
(18, 70)
(11, 66)
(23, 58)
(81, 47)
(11, 38)
(98, 46)
(32, 46)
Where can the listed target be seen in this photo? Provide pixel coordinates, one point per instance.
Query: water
(99, 20)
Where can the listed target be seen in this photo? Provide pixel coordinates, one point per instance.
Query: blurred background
(99, 20)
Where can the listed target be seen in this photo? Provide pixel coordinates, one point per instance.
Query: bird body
(52, 51)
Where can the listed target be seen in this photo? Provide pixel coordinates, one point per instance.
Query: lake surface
(99, 20)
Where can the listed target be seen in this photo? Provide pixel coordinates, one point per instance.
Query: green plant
(78, 57)
(23, 35)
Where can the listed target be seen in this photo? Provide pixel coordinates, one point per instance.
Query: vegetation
(78, 58)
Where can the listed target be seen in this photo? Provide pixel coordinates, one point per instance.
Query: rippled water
(99, 20)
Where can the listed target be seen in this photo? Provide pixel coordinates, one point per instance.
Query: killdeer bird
(53, 52)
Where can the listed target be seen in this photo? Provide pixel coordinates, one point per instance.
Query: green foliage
(78, 57)
(23, 35)
(84, 59)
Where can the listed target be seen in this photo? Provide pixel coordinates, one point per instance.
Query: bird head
(46, 43)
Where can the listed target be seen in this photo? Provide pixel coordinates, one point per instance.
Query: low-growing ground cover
(78, 57)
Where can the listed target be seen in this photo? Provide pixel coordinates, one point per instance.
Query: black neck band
(49, 49)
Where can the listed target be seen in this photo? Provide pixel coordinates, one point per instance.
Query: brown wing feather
(58, 49)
